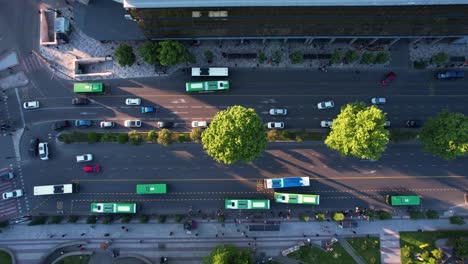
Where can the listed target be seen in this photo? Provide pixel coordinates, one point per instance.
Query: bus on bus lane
(247, 204)
(113, 208)
(403, 200)
(151, 188)
(206, 87)
(293, 198)
(88, 87)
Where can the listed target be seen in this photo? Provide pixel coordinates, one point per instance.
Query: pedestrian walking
(126, 230)
(51, 236)
(123, 227)
(82, 234)
(140, 241)
(222, 234)
(39, 11)
(354, 232)
(216, 235)
(106, 234)
(196, 234)
(64, 235)
(171, 233)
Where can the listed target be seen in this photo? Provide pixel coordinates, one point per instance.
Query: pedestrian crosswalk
(32, 63)
(8, 207)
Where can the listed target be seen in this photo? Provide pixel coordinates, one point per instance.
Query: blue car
(450, 75)
(147, 109)
(81, 123)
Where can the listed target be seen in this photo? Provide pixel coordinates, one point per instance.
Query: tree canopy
(235, 134)
(172, 53)
(125, 55)
(359, 131)
(446, 135)
(228, 254)
(149, 51)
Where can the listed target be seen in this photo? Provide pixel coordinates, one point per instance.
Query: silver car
(278, 111)
(325, 105)
(107, 124)
(132, 123)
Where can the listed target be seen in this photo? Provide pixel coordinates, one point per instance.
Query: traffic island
(7, 256)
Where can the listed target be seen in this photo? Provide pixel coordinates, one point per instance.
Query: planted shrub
(37, 220)
(195, 134)
(165, 137)
(221, 218)
(417, 215)
(108, 137)
(336, 56)
(134, 137)
(209, 56)
(262, 58)
(351, 56)
(93, 137)
(305, 218)
(151, 136)
(367, 58)
(320, 217)
(72, 219)
(161, 218)
(182, 138)
(457, 220)
(4, 223)
(56, 219)
(144, 219)
(286, 134)
(440, 58)
(125, 55)
(107, 220)
(296, 57)
(91, 219)
(178, 218)
(338, 216)
(125, 219)
(277, 56)
(420, 65)
(122, 138)
(382, 57)
(432, 214)
(273, 135)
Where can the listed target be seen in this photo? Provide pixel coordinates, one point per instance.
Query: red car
(388, 78)
(92, 168)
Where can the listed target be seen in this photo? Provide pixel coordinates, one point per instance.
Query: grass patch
(410, 242)
(84, 259)
(5, 257)
(367, 248)
(315, 255)
(396, 135)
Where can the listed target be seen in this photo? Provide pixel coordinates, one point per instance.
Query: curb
(12, 255)
(49, 252)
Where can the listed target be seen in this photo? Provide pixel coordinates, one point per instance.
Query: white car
(325, 105)
(378, 100)
(202, 124)
(107, 124)
(326, 123)
(132, 123)
(13, 194)
(31, 105)
(278, 111)
(43, 150)
(84, 158)
(133, 101)
(275, 125)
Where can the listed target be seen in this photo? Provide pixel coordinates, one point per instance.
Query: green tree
(359, 131)
(440, 58)
(437, 253)
(296, 57)
(235, 134)
(336, 56)
(382, 57)
(149, 51)
(165, 137)
(209, 56)
(338, 216)
(125, 55)
(460, 246)
(367, 58)
(228, 254)
(446, 135)
(172, 53)
(351, 56)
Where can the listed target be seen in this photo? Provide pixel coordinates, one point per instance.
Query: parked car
(325, 105)
(378, 100)
(85, 123)
(413, 123)
(80, 101)
(164, 124)
(84, 158)
(59, 125)
(13, 194)
(202, 124)
(133, 101)
(278, 111)
(275, 125)
(92, 168)
(132, 123)
(147, 109)
(31, 105)
(6, 174)
(107, 124)
(43, 150)
(33, 146)
(388, 78)
(326, 123)
(450, 75)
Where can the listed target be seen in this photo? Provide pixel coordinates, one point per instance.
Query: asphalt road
(196, 181)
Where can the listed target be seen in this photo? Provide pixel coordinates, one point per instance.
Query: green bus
(408, 200)
(293, 198)
(88, 87)
(113, 208)
(247, 204)
(151, 188)
(206, 87)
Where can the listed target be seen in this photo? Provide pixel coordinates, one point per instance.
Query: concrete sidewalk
(29, 243)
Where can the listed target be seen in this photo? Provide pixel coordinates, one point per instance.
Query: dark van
(6, 174)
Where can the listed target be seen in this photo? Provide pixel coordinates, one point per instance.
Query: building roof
(240, 3)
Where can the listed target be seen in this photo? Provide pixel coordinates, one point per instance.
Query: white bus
(209, 72)
(54, 189)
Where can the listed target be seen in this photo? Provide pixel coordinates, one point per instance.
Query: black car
(80, 101)
(33, 143)
(162, 124)
(60, 125)
(413, 123)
